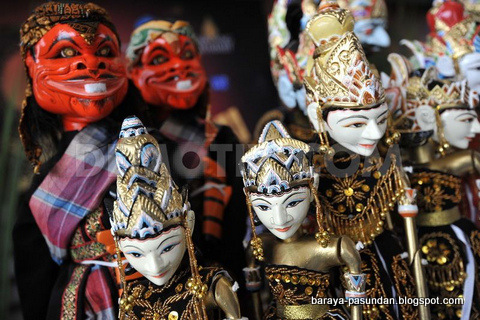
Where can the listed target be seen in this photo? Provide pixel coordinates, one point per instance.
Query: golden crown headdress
(148, 201)
(441, 94)
(454, 42)
(452, 31)
(340, 75)
(277, 163)
(407, 91)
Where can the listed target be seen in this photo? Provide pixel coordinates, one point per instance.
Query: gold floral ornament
(349, 191)
(438, 253)
(275, 165)
(358, 206)
(338, 75)
(445, 268)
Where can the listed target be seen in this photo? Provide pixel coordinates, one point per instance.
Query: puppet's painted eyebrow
(362, 117)
(62, 36)
(132, 246)
(172, 236)
(355, 116)
(107, 38)
(465, 113)
(383, 113)
(293, 194)
(260, 199)
(159, 48)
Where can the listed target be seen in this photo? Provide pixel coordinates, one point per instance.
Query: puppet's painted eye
(159, 59)
(187, 54)
(104, 52)
(68, 52)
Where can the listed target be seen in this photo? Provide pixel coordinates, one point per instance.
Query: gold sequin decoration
(173, 315)
(348, 192)
(179, 288)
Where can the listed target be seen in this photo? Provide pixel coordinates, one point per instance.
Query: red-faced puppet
(164, 64)
(72, 56)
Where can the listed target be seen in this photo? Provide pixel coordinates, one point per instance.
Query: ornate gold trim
(369, 222)
(439, 218)
(305, 311)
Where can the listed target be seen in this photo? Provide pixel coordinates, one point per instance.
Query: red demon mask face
(79, 80)
(170, 72)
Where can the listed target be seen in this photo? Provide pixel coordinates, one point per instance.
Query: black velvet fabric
(35, 270)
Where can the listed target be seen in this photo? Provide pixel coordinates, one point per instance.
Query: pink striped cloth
(74, 187)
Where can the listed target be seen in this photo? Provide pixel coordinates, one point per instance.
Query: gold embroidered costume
(448, 242)
(359, 193)
(297, 267)
(148, 204)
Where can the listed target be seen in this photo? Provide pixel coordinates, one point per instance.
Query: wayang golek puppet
(360, 188)
(290, 48)
(152, 224)
(289, 51)
(437, 120)
(76, 81)
(279, 190)
(164, 63)
(452, 47)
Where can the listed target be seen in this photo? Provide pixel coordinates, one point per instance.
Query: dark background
(233, 36)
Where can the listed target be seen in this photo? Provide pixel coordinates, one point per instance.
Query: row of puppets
(360, 186)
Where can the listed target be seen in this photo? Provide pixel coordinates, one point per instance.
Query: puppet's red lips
(367, 146)
(89, 88)
(161, 275)
(283, 229)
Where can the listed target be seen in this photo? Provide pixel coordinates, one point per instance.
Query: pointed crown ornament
(440, 94)
(148, 201)
(409, 90)
(341, 76)
(277, 163)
